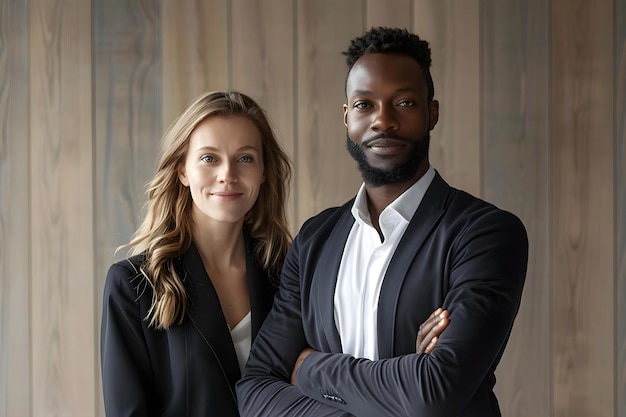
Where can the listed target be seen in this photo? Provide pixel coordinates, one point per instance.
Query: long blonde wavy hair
(165, 232)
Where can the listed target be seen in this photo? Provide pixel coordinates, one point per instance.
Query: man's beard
(398, 174)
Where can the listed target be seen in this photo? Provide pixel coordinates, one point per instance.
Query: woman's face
(223, 169)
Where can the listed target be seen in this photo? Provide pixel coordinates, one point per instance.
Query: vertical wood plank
(452, 28)
(620, 203)
(391, 13)
(583, 228)
(15, 371)
(195, 51)
(62, 308)
(326, 174)
(515, 149)
(263, 66)
(127, 126)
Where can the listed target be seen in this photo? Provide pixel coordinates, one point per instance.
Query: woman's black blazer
(189, 369)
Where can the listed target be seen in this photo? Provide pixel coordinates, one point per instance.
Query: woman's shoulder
(126, 278)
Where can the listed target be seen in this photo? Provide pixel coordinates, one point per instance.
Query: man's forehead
(376, 69)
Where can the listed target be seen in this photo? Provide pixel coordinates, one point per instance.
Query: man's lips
(385, 145)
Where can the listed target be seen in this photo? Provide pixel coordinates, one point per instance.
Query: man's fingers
(429, 331)
(431, 345)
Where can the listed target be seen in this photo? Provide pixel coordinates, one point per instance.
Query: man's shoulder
(327, 217)
(470, 213)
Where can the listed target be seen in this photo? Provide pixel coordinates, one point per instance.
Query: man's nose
(384, 119)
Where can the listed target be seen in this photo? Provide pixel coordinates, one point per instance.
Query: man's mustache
(383, 136)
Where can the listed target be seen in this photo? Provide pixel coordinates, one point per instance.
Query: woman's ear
(182, 175)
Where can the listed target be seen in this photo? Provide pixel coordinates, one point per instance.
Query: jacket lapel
(326, 280)
(424, 220)
(259, 287)
(205, 313)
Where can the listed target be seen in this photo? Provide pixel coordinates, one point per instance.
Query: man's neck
(379, 197)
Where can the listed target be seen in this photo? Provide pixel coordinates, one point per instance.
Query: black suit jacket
(459, 253)
(187, 370)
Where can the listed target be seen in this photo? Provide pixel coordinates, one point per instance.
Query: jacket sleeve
(126, 376)
(265, 388)
(486, 271)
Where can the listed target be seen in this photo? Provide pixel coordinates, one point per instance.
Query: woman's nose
(227, 174)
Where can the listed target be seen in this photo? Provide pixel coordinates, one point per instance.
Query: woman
(180, 314)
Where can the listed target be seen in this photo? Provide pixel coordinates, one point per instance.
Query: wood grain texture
(15, 370)
(392, 13)
(127, 109)
(263, 66)
(452, 28)
(327, 175)
(127, 126)
(62, 309)
(515, 149)
(582, 208)
(195, 51)
(620, 204)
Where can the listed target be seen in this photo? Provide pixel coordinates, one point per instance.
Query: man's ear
(182, 175)
(345, 115)
(433, 114)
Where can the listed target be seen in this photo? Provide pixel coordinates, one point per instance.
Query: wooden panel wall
(515, 147)
(533, 118)
(63, 318)
(620, 204)
(15, 240)
(582, 208)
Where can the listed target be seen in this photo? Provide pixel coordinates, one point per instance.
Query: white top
(363, 266)
(242, 339)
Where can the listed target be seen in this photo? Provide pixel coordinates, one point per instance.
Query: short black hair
(385, 40)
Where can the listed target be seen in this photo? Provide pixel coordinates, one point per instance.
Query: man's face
(389, 118)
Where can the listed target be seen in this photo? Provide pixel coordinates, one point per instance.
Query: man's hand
(429, 331)
(299, 361)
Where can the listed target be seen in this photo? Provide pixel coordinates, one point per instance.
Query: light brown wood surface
(533, 119)
(15, 237)
(515, 146)
(620, 205)
(582, 201)
(63, 318)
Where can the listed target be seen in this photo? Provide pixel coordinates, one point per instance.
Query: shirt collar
(405, 205)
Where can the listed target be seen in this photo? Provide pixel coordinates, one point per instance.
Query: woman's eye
(207, 158)
(246, 159)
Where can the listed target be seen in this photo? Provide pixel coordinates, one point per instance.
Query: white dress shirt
(363, 266)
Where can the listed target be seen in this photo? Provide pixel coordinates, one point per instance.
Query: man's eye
(360, 105)
(207, 158)
(405, 103)
(246, 159)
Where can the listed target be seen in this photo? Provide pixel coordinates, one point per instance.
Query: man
(359, 279)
